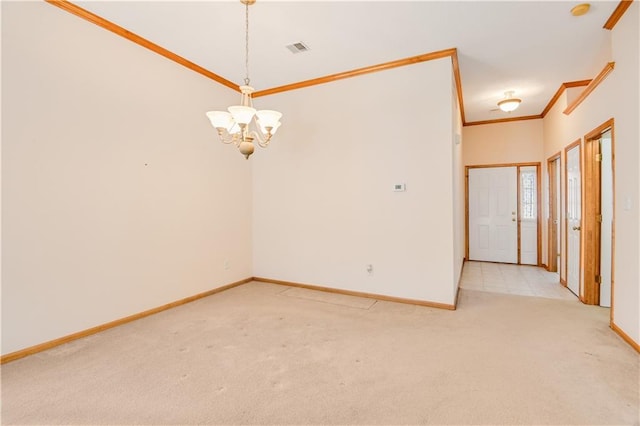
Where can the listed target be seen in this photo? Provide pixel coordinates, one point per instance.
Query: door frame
(553, 265)
(592, 208)
(568, 148)
(538, 203)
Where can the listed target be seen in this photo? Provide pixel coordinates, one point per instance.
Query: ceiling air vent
(298, 47)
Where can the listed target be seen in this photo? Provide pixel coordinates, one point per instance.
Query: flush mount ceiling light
(234, 126)
(509, 103)
(580, 9)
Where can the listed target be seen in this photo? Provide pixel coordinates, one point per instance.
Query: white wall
(117, 196)
(617, 97)
(323, 202)
(458, 183)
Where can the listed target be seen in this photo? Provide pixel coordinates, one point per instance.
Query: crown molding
(456, 76)
(617, 14)
(356, 72)
(561, 89)
(590, 88)
(591, 84)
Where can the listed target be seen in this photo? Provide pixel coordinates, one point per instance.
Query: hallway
(523, 280)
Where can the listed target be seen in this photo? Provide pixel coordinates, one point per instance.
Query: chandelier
(234, 126)
(509, 103)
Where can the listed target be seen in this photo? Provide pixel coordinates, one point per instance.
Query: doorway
(503, 211)
(606, 219)
(599, 215)
(554, 261)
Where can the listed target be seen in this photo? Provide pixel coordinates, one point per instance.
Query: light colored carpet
(269, 354)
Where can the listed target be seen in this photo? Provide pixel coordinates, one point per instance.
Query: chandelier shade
(234, 126)
(242, 114)
(220, 119)
(268, 119)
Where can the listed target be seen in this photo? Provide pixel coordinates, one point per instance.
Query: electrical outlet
(226, 264)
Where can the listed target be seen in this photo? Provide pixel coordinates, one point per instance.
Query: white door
(493, 228)
(528, 215)
(557, 220)
(606, 206)
(573, 215)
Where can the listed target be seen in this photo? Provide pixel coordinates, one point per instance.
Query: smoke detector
(297, 47)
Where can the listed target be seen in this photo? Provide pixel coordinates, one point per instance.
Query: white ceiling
(530, 47)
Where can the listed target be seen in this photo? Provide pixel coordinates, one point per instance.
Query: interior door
(573, 215)
(558, 220)
(493, 204)
(528, 215)
(606, 226)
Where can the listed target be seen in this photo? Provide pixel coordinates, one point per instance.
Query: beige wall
(323, 200)
(618, 98)
(117, 196)
(503, 143)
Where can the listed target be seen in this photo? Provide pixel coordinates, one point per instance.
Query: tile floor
(513, 279)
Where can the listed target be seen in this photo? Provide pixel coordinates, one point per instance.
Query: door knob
(513, 219)
(576, 228)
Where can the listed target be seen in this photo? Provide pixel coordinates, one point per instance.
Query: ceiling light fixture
(233, 126)
(580, 9)
(509, 103)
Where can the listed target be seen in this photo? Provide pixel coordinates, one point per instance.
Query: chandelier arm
(226, 137)
(263, 140)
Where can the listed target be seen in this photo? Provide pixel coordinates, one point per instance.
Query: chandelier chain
(246, 44)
